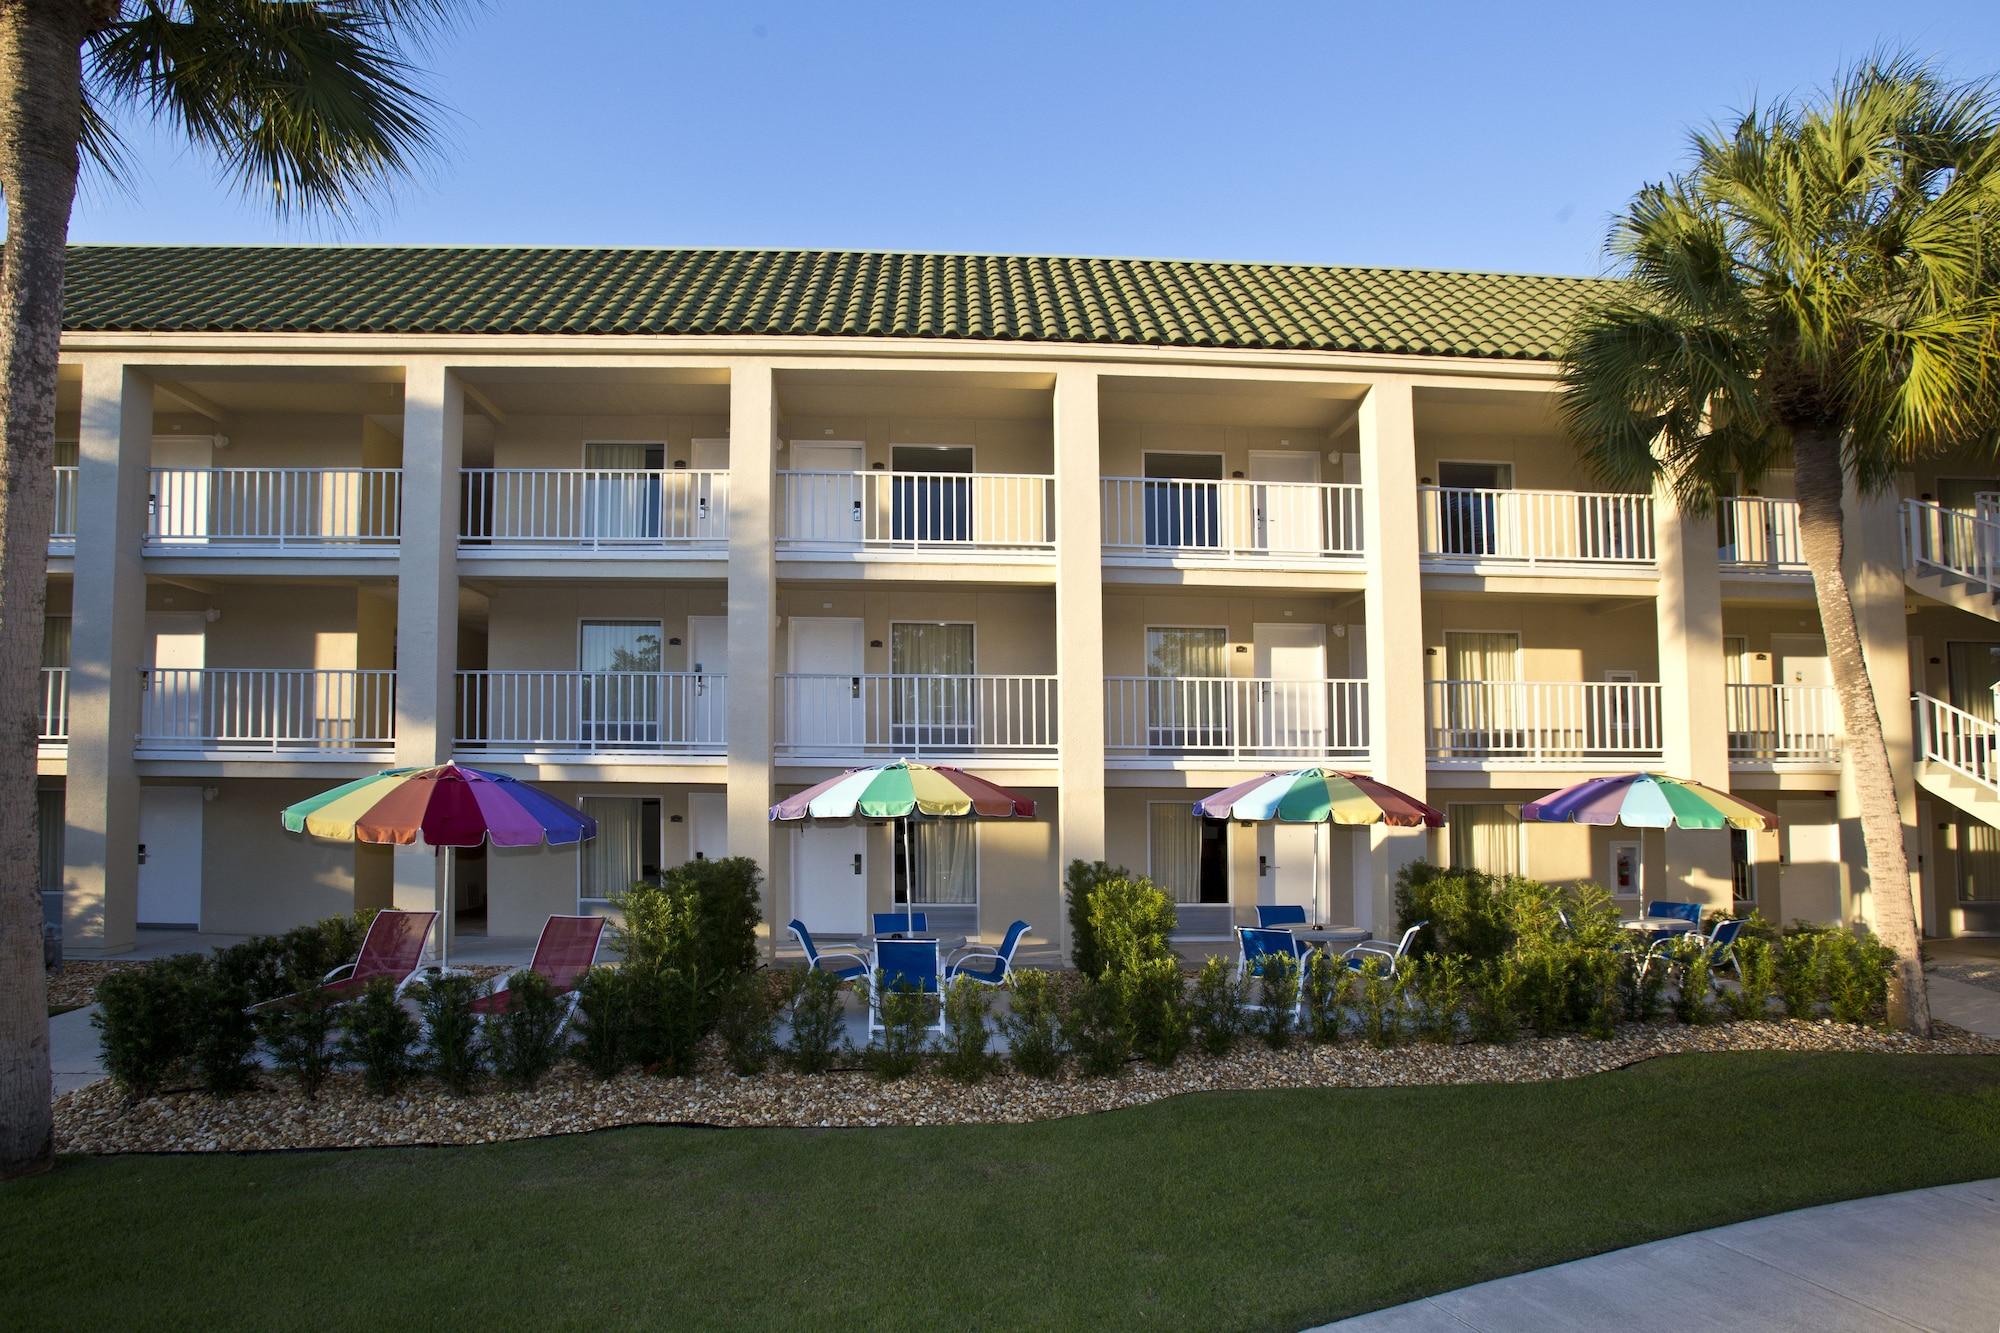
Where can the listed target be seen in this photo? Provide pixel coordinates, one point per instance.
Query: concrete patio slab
(1964, 1005)
(1926, 1259)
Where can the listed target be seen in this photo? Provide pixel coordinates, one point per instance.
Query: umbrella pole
(444, 936)
(909, 882)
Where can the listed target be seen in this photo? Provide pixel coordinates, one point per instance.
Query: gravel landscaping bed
(1985, 974)
(76, 984)
(98, 1118)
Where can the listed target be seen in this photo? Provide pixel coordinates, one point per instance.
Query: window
(1978, 862)
(932, 702)
(626, 849)
(1469, 515)
(1484, 837)
(1482, 707)
(49, 824)
(1188, 857)
(1187, 695)
(929, 507)
(622, 491)
(618, 697)
(55, 688)
(937, 861)
(1742, 870)
(1183, 499)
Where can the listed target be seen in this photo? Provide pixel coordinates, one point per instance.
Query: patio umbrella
(1648, 800)
(443, 807)
(901, 790)
(1318, 796)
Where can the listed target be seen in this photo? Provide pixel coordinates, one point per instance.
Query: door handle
(857, 511)
(857, 863)
(142, 853)
(854, 687)
(1263, 866)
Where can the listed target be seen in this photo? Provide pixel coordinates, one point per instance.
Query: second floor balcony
(237, 511)
(1546, 724)
(592, 712)
(1192, 520)
(1755, 535)
(838, 718)
(232, 710)
(1536, 531)
(949, 514)
(1233, 719)
(54, 728)
(593, 512)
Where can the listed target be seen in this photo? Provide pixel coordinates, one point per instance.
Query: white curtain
(1485, 837)
(623, 508)
(1174, 838)
(942, 857)
(55, 641)
(1978, 862)
(1479, 660)
(1187, 696)
(617, 858)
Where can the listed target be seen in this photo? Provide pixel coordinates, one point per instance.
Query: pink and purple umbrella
(1648, 800)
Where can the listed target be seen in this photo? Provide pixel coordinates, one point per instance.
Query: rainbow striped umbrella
(446, 806)
(1318, 796)
(900, 789)
(1648, 800)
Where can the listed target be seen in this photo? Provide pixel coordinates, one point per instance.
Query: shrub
(1496, 1001)
(1568, 986)
(451, 1030)
(1217, 1010)
(747, 1023)
(1099, 1027)
(378, 1034)
(1277, 997)
(816, 1031)
(1641, 988)
(1757, 974)
(296, 1035)
(1033, 1024)
(1323, 987)
(1156, 996)
(905, 1013)
(1131, 921)
(1799, 960)
(724, 902)
(525, 1040)
(602, 1017)
(668, 1011)
(1466, 912)
(1854, 969)
(1694, 1001)
(145, 1020)
(1080, 883)
(1442, 982)
(222, 1035)
(966, 1006)
(1380, 993)
(659, 926)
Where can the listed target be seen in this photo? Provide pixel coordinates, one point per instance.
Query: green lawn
(1266, 1210)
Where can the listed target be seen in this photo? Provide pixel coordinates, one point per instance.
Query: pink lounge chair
(566, 950)
(393, 948)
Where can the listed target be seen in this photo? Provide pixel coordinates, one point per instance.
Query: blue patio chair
(1259, 943)
(1362, 952)
(984, 963)
(904, 963)
(900, 923)
(1271, 916)
(1719, 945)
(844, 965)
(1661, 910)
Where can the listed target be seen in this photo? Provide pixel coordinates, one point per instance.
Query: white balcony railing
(1195, 717)
(1784, 724)
(63, 529)
(1472, 722)
(626, 712)
(248, 709)
(916, 511)
(911, 716)
(1952, 541)
(1460, 525)
(1243, 521)
(1959, 741)
(1756, 535)
(274, 507)
(55, 706)
(594, 510)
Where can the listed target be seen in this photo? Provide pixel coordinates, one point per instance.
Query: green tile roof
(1147, 302)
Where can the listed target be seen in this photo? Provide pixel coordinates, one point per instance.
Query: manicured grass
(1268, 1210)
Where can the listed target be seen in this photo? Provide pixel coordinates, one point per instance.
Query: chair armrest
(966, 951)
(335, 974)
(1371, 946)
(842, 953)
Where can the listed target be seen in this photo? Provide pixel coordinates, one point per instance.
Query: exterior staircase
(1953, 557)
(1957, 761)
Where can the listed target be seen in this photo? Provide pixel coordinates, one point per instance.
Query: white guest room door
(827, 707)
(170, 851)
(1291, 711)
(1291, 863)
(1287, 501)
(708, 825)
(825, 508)
(178, 650)
(708, 662)
(830, 878)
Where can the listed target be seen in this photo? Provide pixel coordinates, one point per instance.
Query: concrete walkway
(1928, 1259)
(1964, 1005)
(73, 1051)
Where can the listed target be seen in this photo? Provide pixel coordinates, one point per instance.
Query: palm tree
(1823, 280)
(312, 101)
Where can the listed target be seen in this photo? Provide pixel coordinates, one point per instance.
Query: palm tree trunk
(40, 118)
(1822, 536)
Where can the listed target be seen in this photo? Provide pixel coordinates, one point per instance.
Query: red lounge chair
(566, 950)
(393, 948)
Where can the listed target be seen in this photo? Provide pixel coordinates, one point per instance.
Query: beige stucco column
(107, 648)
(1875, 579)
(1694, 707)
(753, 608)
(427, 599)
(1395, 620)
(1079, 630)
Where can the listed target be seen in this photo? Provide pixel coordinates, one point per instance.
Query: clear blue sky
(1460, 136)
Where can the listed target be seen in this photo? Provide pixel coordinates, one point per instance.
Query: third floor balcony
(1197, 521)
(1541, 532)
